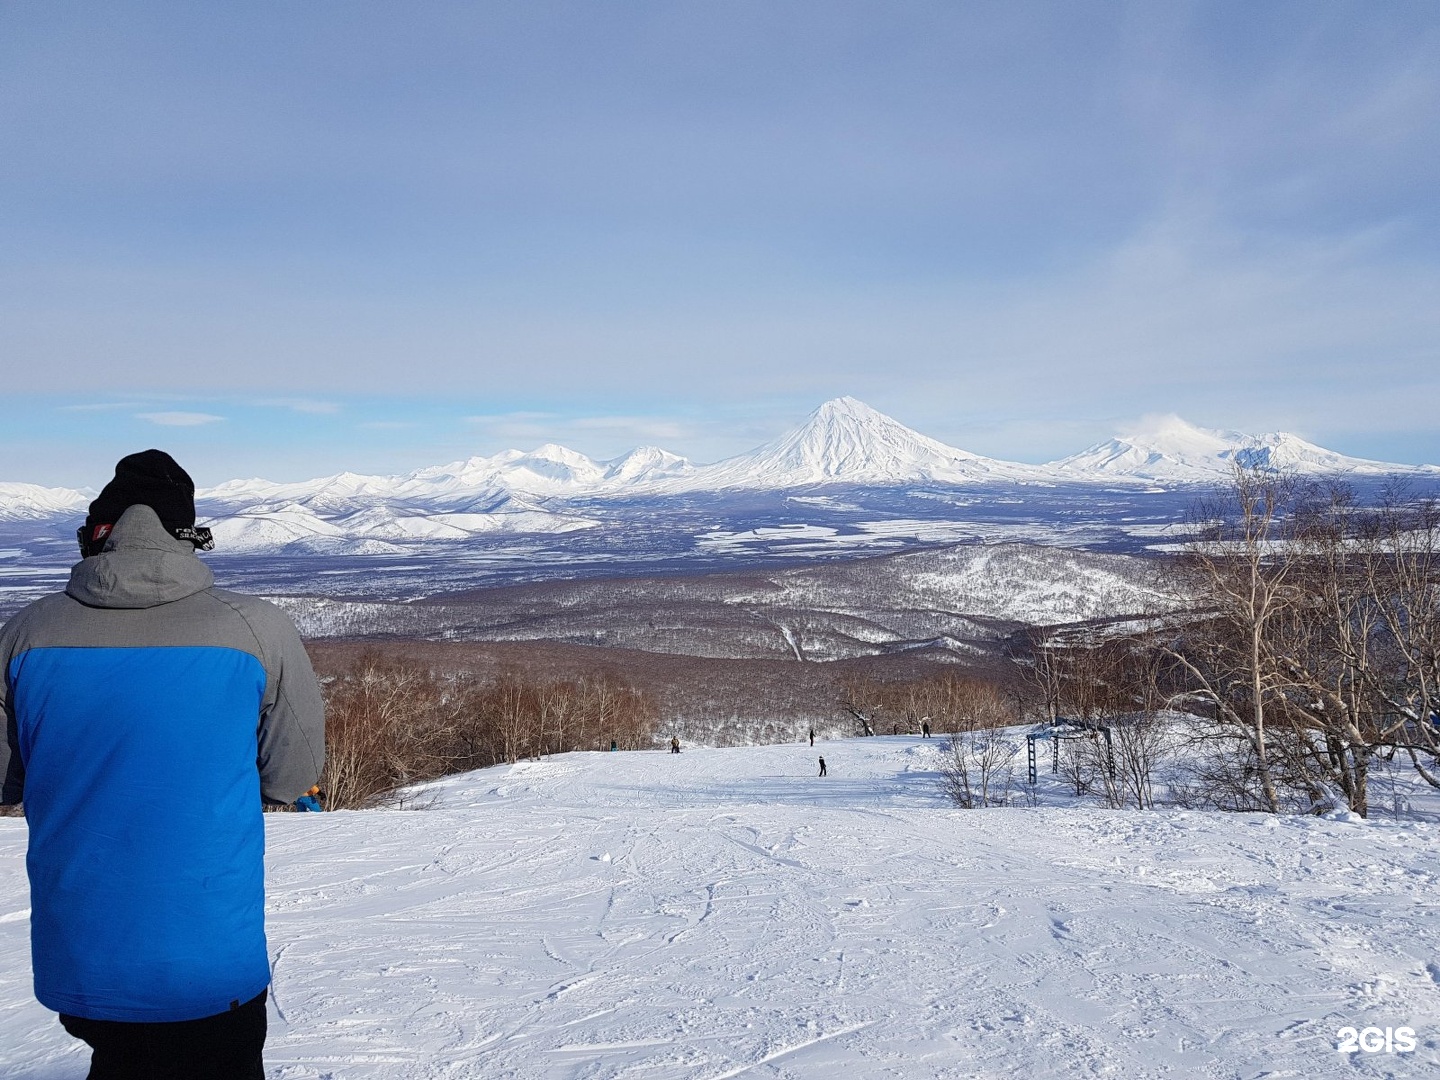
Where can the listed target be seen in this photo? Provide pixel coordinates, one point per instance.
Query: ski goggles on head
(92, 538)
(201, 537)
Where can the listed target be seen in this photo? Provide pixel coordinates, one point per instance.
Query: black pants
(226, 1046)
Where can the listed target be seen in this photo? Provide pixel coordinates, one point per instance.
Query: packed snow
(727, 913)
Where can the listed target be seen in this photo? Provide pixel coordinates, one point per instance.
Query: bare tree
(979, 758)
(1320, 640)
(1404, 576)
(978, 767)
(1245, 569)
(392, 723)
(861, 701)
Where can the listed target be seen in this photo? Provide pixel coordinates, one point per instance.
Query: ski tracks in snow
(724, 914)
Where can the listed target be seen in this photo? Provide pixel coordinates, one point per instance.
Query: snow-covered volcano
(1171, 451)
(845, 441)
(555, 490)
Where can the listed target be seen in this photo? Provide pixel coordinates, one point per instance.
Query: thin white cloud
(98, 406)
(302, 405)
(553, 426)
(179, 419)
(642, 427)
(510, 418)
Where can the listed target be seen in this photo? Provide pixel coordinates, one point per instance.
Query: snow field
(726, 913)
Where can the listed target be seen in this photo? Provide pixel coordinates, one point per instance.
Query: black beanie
(150, 478)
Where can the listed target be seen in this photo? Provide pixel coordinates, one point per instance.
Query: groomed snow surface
(726, 913)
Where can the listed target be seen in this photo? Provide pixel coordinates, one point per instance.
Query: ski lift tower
(1060, 729)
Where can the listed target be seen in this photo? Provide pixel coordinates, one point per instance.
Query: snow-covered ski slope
(726, 913)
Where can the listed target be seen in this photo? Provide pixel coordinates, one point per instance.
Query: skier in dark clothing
(147, 914)
(812, 736)
(822, 766)
(924, 729)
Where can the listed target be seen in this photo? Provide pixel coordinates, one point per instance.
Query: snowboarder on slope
(674, 744)
(148, 913)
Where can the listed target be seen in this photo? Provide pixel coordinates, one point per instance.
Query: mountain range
(843, 444)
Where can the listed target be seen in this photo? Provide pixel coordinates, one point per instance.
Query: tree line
(1315, 643)
(1306, 648)
(392, 722)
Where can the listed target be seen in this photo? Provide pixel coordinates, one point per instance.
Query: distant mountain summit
(845, 441)
(1168, 450)
(556, 490)
(26, 502)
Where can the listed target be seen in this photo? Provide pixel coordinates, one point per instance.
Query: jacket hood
(142, 566)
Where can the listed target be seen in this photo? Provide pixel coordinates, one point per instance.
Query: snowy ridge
(23, 502)
(481, 484)
(378, 528)
(843, 443)
(961, 601)
(1169, 450)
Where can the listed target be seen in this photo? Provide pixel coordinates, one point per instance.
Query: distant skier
(614, 745)
(924, 729)
(822, 766)
(312, 800)
(674, 744)
(812, 735)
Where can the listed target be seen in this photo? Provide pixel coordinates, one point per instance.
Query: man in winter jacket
(147, 913)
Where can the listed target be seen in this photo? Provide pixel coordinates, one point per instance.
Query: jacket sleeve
(12, 768)
(292, 717)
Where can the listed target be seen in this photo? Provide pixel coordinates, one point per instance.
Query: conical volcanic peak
(845, 441)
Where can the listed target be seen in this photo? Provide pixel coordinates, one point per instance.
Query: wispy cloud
(179, 419)
(614, 433)
(302, 405)
(1149, 211)
(642, 427)
(511, 418)
(520, 426)
(99, 406)
(386, 425)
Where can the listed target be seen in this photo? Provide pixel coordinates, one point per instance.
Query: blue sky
(284, 239)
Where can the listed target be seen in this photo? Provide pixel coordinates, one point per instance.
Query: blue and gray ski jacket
(138, 682)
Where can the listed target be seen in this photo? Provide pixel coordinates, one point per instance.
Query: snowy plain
(727, 913)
